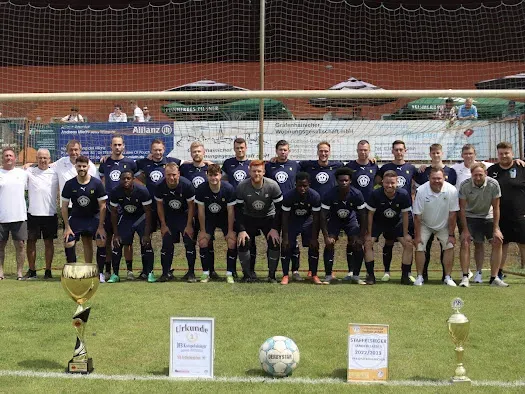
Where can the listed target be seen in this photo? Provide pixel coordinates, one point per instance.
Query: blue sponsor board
(96, 137)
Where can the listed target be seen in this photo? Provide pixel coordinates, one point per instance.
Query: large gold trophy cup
(80, 281)
(458, 327)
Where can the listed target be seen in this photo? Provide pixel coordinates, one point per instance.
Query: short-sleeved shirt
(301, 206)
(363, 176)
(479, 199)
(42, 191)
(283, 173)
(196, 175)
(12, 189)
(154, 171)
(322, 178)
(216, 204)
(343, 208)
(138, 115)
(66, 170)
(111, 170)
(512, 184)
(388, 211)
(463, 172)
(258, 203)
(405, 173)
(130, 205)
(175, 201)
(84, 198)
(423, 177)
(463, 112)
(236, 170)
(434, 208)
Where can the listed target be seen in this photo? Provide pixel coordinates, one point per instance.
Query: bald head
(43, 158)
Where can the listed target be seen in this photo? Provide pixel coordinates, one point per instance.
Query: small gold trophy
(458, 327)
(80, 281)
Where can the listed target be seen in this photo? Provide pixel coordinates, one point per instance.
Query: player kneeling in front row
(301, 215)
(88, 213)
(435, 212)
(134, 203)
(216, 208)
(341, 205)
(389, 214)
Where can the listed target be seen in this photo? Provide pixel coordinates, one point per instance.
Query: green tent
(237, 110)
(488, 108)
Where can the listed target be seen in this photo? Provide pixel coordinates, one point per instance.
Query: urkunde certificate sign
(367, 352)
(191, 347)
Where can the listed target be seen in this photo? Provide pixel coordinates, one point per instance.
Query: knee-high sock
(71, 255)
(253, 254)
(313, 261)
(231, 260)
(101, 258)
(273, 260)
(350, 261)
(285, 261)
(116, 255)
(387, 256)
(245, 259)
(166, 253)
(147, 258)
(205, 258)
(369, 267)
(358, 261)
(191, 251)
(296, 258)
(211, 256)
(328, 257)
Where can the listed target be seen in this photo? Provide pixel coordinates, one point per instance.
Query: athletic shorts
(176, 225)
(480, 229)
(212, 224)
(513, 231)
(17, 229)
(129, 225)
(45, 227)
(391, 232)
(83, 226)
(255, 226)
(351, 227)
(304, 228)
(442, 236)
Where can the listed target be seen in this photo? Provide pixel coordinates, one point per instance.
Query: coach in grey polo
(479, 202)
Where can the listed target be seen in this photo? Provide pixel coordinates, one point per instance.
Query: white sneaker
(358, 280)
(386, 277)
(470, 274)
(464, 282)
(497, 282)
(102, 278)
(477, 278)
(449, 282)
(419, 281)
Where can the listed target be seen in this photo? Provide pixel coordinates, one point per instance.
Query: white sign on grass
(192, 347)
(367, 352)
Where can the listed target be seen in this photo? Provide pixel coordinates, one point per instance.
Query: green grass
(128, 331)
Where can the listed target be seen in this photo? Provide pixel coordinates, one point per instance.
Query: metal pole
(520, 137)
(262, 37)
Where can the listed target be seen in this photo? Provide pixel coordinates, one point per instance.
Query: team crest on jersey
(156, 175)
(197, 181)
(322, 177)
(114, 175)
(401, 181)
(343, 213)
(239, 175)
(281, 176)
(214, 208)
(83, 201)
(389, 213)
(363, 180)
(301, 212)
(175, 204)
(258, 205)
(130, 208)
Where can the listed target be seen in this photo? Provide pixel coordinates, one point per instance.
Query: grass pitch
(128, 331)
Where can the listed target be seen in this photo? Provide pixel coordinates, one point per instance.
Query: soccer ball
(279, 356)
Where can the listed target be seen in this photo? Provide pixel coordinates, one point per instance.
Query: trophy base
(457, 379)
(83, 367)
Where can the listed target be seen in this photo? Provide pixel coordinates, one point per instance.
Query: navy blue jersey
(236, 170)
(388, 211)
(216, 204)
(175, 201)
(363, 177)
(130, 205)
(111, 170)
(197, 175)
(322, 178)
(301, 206)
(422, 177)
(283, 174)
(84, 198)
(154, 171)
(405, 173)
(345, 207)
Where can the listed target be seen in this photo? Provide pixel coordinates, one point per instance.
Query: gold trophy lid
(457, 317)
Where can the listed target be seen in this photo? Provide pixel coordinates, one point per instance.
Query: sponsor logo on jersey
(130, 208)
(197, 181)
(156, 175)
(389, 213)
(301, 212)
(363, 180)
(239, 175)
(175, 204)
(83, 201)
(322, 177)
(258, 205)
(343, 213)
(214, 208)
(281, 176)
(114, 175)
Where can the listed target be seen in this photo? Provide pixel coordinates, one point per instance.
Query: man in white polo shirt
(435, 212)
(138, 115)
(42, 221)
(13, 213)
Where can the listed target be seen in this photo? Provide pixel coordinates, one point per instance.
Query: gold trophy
(458, 327)
(80, 281)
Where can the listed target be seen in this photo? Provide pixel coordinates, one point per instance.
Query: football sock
(71, 256)
(328, 257)
(387, 256)
(231, 260)
(370, 267)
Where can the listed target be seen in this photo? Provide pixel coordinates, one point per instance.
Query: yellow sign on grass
(367, 352)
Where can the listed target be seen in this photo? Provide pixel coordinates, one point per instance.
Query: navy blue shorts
(391, 232)
(335, 226)
(176, 225)
(129, 225)
(83, 226)
(212, 224)
(304, 228)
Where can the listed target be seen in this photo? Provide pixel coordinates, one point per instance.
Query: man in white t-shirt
(138, 115)
(117, 115)
(435, 212)
(42, 221)
(13, 213)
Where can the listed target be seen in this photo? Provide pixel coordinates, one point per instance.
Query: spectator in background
(510, 113)
(468, 111)
(117, 115)
(331, 114)
(138, 115)
(147, 116)
(446, 111)
(73, 117)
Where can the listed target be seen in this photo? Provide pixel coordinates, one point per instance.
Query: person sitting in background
(510, 113)
(117, 115)
(147, 116)
(73, 117)
(138, 115)
(468, 111)
(446, 111)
